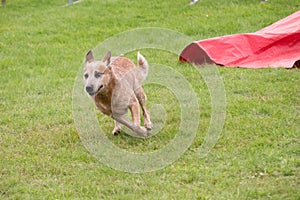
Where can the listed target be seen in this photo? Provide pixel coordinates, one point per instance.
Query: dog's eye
(86, 76)
(98, 74)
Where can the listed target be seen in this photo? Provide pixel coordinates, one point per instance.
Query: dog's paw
(116, 131)
(142, 131)
(148, 126)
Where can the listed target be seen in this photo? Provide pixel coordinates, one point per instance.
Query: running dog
(115, 85)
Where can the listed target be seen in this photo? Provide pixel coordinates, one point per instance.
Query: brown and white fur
(115, 85)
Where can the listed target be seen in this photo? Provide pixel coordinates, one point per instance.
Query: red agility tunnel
(277, 45)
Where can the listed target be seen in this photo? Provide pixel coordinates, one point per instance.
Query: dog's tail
(142, 65)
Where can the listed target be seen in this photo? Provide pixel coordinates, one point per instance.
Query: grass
(42, 46)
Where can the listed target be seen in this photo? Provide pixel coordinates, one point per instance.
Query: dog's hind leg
(117, 128)
(141, 96)
(135, 112)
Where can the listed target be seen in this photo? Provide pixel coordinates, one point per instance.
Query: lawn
(43, 155)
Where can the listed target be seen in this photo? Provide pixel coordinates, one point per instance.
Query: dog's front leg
(142, 131)
(117, 128)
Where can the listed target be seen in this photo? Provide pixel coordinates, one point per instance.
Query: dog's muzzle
(90, 90)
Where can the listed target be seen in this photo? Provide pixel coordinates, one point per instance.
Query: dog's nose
(89, 89)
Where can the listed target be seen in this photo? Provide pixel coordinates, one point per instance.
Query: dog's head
(97, 74)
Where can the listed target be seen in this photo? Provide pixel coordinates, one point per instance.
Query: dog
(115, 85)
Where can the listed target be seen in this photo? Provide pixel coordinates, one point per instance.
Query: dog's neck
(103, 98)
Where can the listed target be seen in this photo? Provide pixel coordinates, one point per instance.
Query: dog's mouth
(94, 93)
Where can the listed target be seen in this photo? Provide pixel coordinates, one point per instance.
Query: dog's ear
(89, 57)
(107, 58)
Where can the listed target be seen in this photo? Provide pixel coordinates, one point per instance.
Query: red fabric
(277, 45)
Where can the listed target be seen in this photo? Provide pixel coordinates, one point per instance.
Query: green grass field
(42, 48)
